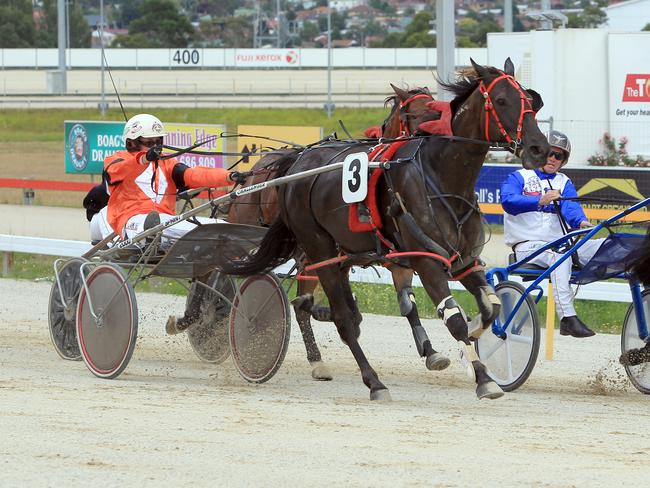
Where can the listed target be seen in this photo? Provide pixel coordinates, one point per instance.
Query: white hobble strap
(494, 299)
(448, 308)
(467, 355)
(475, 327)
(487, 297)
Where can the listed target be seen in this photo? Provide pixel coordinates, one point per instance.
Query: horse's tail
(277, 247)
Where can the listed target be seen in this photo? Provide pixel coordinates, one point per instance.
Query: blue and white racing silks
(524, 219)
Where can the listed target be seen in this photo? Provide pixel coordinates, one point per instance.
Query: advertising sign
(266, 58)
(629, 90)
(185, 135)
(608, 187)
(284, 135)
(88, 143)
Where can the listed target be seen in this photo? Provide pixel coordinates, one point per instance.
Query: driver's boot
(176, 325)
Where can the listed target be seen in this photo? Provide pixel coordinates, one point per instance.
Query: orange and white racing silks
(137, 189)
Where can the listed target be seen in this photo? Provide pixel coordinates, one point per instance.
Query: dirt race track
(171, 420)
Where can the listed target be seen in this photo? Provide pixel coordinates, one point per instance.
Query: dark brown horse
(427, 202)
(408, 111)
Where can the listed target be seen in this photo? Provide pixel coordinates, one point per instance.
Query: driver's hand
(549, 197)
(153, 154)
(584, 224)
(239, 176)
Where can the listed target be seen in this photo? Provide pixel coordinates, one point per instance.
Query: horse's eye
(500, 101)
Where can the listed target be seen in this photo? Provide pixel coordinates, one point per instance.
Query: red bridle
(526, 107)
(403, 126)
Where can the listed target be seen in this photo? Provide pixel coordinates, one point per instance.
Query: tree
(128, 12)
(218, 8)
(159, 25)
(17, 24)
(309, 31)
(415, 35)
(233, 32)
(646, 28)
(47, 34)
(591, 16)
(472, 30)
(337, 19)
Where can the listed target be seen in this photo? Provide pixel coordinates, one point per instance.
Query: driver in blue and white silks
(531, 220)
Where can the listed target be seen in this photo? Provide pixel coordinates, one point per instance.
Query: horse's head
(507, 112)
(408, 112)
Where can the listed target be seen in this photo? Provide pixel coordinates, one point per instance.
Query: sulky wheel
(640, 374)
(62, 313)
(260, 326)
(209, 337)
(107, 342)
(510, 360)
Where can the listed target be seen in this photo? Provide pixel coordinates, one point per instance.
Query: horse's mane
(464, 86)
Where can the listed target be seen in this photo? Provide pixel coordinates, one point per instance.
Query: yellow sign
(185, 135)
(284, 136)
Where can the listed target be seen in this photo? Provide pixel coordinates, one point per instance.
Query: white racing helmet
(143, 125)
(561, 141)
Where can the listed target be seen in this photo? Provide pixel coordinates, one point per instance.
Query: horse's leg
(402, 279)
(435, 282)
(302, 306)
(488, 303)
(347, 319)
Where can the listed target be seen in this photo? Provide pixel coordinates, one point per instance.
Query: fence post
(28, 196)
(7, 263)
(550, 322)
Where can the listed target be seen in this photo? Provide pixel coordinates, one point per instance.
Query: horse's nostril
(536, 151)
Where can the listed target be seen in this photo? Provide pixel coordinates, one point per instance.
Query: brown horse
(427, 202)
(409, 110)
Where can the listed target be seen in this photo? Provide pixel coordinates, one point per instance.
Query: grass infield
(603, 317)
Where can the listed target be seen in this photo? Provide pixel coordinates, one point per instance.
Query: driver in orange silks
(142, 186)
(142, 193)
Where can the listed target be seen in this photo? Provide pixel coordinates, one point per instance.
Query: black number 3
(355, 182)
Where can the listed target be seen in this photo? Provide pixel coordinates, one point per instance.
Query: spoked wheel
(260, 326)
(107, 340)
(62, 312)
(639, 375)
(510, 360)
(209, 337)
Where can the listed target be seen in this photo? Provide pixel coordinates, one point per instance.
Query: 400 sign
(186, 57)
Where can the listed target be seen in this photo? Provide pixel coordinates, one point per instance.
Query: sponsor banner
(629, 90)
(185, 135)
(598, 183)
(285, 133)
(88, 143)
(267, 58)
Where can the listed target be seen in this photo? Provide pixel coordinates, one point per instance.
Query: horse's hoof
(437, 362)
(380, 395)
(321, 372)
(489, 390)
(303, 302)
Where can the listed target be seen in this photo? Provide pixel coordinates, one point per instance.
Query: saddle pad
(383, 152)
